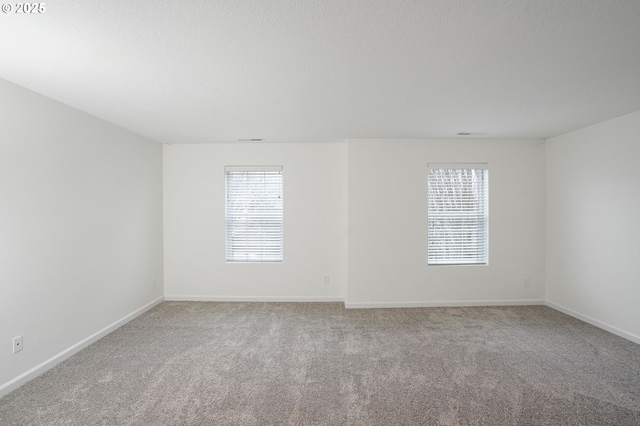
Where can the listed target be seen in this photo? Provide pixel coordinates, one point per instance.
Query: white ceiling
(286, 70)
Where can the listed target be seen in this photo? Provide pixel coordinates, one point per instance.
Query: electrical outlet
(17, 344)
(526, 282)
(153, 283)
(326, 279)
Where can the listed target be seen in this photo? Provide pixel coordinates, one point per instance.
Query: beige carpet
(190, 363)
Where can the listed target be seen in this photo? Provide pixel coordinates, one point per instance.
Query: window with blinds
(458, 214)
(253, 213)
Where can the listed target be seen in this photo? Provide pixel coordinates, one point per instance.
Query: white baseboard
(182, 298)
(444, 303)
(356, 305)
(57, 359)
(597, 323)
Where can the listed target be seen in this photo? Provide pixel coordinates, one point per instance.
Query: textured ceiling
(220, 70)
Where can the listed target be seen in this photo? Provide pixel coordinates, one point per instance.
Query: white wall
(388, 224)
(80, 229)
(314, 223)
(593, 231)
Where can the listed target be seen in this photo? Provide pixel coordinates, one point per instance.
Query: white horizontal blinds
(254, 213)
(458, 214)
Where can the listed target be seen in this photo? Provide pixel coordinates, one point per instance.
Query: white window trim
(465, 253)
(238, 249)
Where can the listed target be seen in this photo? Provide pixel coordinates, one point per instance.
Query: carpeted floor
(200, 363)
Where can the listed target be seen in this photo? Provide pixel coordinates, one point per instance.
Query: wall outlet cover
(17, 344)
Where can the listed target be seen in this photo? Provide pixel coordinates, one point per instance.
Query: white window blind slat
(457, 214)
(254, 218)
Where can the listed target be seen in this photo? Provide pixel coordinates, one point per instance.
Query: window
(253, 213)
(458, 214)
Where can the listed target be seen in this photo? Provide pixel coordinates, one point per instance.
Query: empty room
(254, 212)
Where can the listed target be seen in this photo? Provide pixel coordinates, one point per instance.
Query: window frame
(250, 246)
(460, 222)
